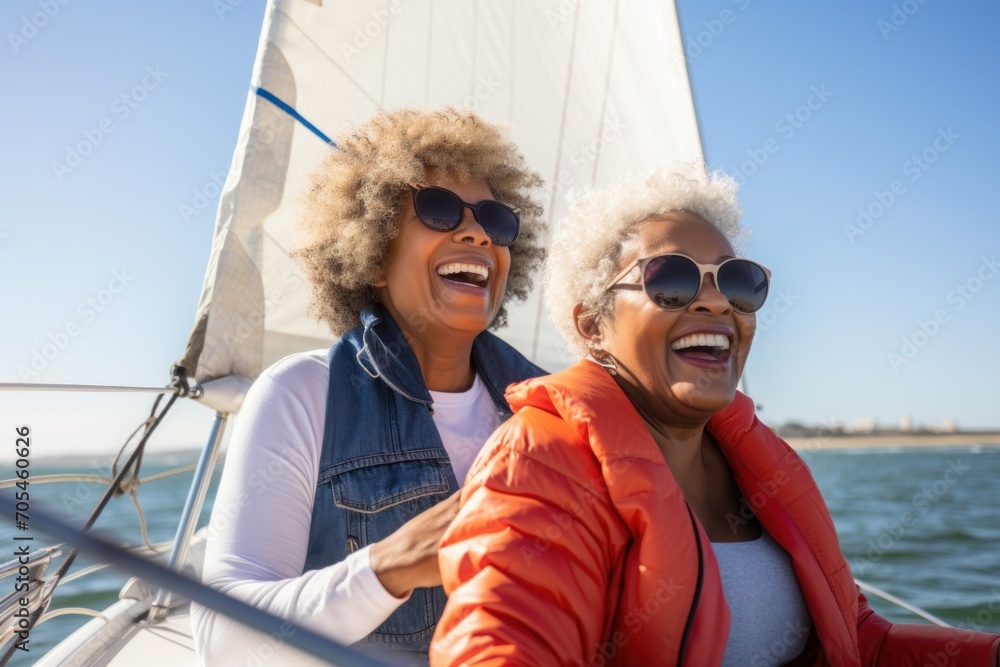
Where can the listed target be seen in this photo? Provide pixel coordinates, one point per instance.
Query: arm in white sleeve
(259, 532)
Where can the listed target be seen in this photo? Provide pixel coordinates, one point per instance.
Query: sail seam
(326, 55)
(513, 52)
(475, 48)
(430, 45)
(555, 171)
(607, 88)
(385, 58)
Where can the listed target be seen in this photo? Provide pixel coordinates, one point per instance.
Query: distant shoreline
(895, 440)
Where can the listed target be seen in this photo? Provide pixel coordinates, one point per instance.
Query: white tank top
(769, 621)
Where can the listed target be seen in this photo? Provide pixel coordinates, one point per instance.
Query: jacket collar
(386, 354)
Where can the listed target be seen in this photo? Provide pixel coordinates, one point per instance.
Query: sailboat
(587, 88)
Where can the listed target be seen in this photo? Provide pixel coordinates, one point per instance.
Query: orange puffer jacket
(574, 546)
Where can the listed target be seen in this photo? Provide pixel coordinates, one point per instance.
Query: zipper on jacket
(697, 590)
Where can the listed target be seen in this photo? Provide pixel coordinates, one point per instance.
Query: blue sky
(891, 314)
(821, 109)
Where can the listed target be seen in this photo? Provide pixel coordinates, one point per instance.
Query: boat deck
(167, 643)
(124, 639)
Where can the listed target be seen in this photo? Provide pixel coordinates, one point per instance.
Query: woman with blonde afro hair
(362, 186)
(418, 228)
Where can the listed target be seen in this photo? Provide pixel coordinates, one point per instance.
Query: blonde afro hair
(588, 242)
(355, 197)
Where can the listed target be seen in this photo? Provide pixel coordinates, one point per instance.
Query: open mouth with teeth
(703, 347)
(466, 274)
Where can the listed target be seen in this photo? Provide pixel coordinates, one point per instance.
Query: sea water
(920, 523)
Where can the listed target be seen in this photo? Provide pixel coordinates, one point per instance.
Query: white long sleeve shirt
(260, 525)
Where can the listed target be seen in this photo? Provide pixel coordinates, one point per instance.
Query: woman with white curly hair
(341, 476)
(634, 511)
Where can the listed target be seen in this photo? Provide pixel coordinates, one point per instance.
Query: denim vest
(383, 461)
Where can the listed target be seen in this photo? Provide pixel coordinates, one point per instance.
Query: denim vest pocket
(375, 483)
(380, 493)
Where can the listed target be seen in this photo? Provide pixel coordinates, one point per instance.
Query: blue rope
(273, 99)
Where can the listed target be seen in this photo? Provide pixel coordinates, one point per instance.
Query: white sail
(588, 87)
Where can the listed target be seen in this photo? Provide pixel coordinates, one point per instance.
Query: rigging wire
(194, 392)
(142, 522)
(62, 478)
(868, 588)
(98, 479)
(158, 548)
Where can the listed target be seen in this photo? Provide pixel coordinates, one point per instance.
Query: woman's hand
(408, 558)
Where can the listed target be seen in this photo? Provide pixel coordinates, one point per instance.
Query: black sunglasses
(442, 210)
(672, 281)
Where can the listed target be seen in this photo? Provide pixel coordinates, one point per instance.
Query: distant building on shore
(869, 425)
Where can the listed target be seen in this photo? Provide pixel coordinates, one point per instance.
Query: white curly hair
(588, 242)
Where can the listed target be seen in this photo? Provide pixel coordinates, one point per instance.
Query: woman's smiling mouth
(474, 275)
(703, 349)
